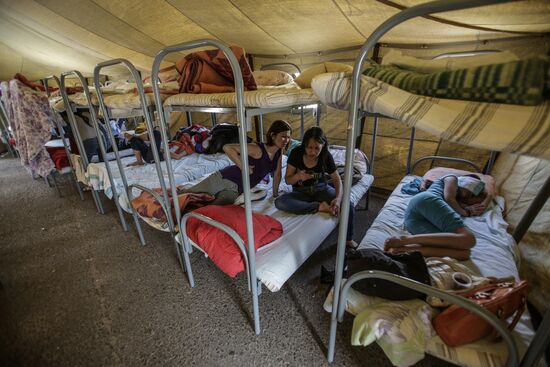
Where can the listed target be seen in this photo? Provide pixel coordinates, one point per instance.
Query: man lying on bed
(434, 216)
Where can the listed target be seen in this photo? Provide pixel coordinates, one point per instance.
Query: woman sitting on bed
(305, 171)
(226, 184)
(434, 216)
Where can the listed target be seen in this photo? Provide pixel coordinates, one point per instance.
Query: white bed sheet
(495, 252)
(302, 234)
(186, 169)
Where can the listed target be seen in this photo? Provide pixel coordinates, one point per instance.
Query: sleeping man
(434, 216)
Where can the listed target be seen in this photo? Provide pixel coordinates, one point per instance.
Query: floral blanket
(29, 117)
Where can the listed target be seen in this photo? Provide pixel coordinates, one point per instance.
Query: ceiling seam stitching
(129, 25)
(263, 30)
(213, 34)
(100, 36)
(452, 22)
(39, 34)
(197, 24)
(349, 20)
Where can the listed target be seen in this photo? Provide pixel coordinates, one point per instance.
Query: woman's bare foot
(394, 242)
(136, 163)
(325, 207)
(352, 245)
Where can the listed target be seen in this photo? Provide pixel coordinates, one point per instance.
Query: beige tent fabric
(41, 37)
(492, 126)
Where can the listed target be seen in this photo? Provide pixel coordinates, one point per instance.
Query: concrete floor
(78, 291)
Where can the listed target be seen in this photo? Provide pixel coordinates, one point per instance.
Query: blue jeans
(306, 200)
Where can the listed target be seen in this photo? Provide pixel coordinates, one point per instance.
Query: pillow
(520, 178)
(394, 57)
(400, 328)
(304, 80)
(219, 246)
(272, 77)
(337, 67)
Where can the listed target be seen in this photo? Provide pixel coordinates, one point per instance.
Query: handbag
(457, 326)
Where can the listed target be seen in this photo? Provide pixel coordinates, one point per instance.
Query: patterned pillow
(272, 77)
(304, 80)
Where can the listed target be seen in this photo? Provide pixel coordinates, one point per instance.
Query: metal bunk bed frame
(542, 337)
(249, 256)
(146, 112)
(71, 108)
(5, 129)
(250, 112)
(63, 140)
(242, 120)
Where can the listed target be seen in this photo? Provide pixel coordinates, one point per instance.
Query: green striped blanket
(522, 82)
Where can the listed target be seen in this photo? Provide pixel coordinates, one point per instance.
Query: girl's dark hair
(278, 126)
(317, 134)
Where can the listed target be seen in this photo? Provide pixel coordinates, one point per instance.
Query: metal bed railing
(70, 109)
(146, 112)
(431, 291)
(241, 123)
(5, 129)
(61, 134)
(250, 112)
(339, 300)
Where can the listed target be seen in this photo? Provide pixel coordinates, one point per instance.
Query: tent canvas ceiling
(46, 37)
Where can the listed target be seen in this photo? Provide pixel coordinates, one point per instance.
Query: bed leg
(55, 184)
(78, 189)
(259, 287)
(302, 122)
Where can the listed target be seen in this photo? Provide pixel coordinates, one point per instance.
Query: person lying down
(434, 216)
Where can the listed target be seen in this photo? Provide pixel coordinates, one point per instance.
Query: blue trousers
(306, 200)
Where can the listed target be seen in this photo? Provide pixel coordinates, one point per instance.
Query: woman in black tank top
(306, 168)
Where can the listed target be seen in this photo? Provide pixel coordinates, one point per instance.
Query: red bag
(457, 326)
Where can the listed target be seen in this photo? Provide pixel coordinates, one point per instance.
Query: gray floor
(77, 290)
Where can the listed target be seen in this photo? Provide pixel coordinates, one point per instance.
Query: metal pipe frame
(249, 113)
(4, 120)
(269, 66)
(411, 146)
(240, 110)
(412, 12)
(150, 128)
(60, 130)
(491, 162)
(463, 302)
(74, 128)
(187, 244)
(443, 158)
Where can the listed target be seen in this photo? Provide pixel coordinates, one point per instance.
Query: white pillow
(519, 179)
(272, 77)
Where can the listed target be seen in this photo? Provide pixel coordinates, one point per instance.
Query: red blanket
(59, 157)
(210, 72)
(219, 246)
